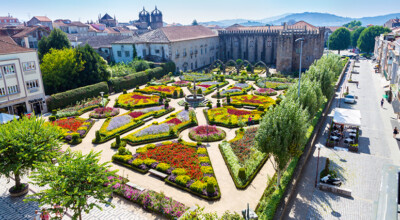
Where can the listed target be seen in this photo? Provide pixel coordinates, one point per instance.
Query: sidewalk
(362, 171)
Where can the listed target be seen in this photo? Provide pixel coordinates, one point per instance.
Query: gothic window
(269, 43)
(251, 43)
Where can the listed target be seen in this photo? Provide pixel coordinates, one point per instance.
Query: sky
(185, 11)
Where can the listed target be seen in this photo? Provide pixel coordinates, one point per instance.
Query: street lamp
(102, 93)
(301, 53)
(318, 146)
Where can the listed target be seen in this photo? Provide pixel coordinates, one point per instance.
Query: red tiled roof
(43, 18)
(28, 30)
(180, 33)
(7, 46)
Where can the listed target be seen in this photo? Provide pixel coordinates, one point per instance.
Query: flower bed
(128, 121)
(240, 153)
(136, 100)
(198, 77)
(148, 199)
(182, 83)
(81, 107)
(73, 125)
(229, 116)
(166, 90)
(163, 81)
(207, 133)
(188, 166)
(276, 84)
(252, 100)
(266, 92)
(236, 89)
(104, 112)
(167, 129)
(209, 86)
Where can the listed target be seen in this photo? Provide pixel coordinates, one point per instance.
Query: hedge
(70, 97)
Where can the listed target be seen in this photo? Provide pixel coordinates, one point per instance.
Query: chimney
(26, 42)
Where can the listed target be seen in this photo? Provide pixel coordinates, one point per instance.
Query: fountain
(195, 98)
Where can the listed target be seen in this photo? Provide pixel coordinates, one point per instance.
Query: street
(362, 171)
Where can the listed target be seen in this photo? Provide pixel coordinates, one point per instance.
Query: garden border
(225, 125)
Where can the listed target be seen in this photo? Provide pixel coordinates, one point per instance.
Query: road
(362, 171)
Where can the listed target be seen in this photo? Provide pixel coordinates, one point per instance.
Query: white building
(75, 27)
(21, 85)
(189, 47)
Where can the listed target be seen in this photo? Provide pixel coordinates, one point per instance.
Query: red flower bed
(71, 124)
(175, 121)
(205, 86)
(238, 112)
(103, 110)
(253, 99)
(242, 146)
(236, 87)
(178, 156)
(135, 114)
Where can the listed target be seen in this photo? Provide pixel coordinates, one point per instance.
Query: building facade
(8, 20)
(28, 37)
(392, 23)
(273, 45)
(21, 85)
(149, 21)
(108, 21)
(40, 20)
(71, 27)
(189, 47)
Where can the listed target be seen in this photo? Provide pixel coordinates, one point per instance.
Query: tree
(140, 65)
(311, 96)
(23, 142)
(60, 69)
(57, 39)
(195, 22)
(282, 133)
(366, 41)
(95, 67)
(75, 180)
(339, 39)
(355, 34)
(353, 24)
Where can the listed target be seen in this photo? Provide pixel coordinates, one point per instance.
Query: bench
(148, 119)
(135, 186)
(335, 189)
(249, 107)
(158, 173)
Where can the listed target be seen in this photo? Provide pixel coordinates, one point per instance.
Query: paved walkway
(232, 199)
(361, 171)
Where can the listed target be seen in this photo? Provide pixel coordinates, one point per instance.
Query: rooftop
(8, 46)
(97, 41)
(298, 25)
(42, 18)
(29, 30)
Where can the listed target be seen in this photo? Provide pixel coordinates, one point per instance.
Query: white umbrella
(4, 118)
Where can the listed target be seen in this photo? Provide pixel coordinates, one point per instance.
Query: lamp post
(318, 146)
(301, 54)
(102, 93)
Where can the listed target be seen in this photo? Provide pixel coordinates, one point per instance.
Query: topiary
(218, 95)
(210, 188)
(121, 150)
(124, 91)
(175, 94)
(181, 93)
(171, 132)
(218, 103)
(118, 139)
(228, 99)
(199, 91)
(186, 106)
(199, 143)
(98, 136)
(52, 118)
(242, 174)
(209, 105)
(166, 104)
(54, 112)
(76, 138)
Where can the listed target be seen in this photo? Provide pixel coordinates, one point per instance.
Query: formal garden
(206, 155)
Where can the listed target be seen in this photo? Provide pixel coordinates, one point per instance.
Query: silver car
(350, 99)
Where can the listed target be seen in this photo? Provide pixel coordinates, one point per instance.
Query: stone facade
(273, 46)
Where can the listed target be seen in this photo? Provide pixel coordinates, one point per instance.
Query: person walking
(37, 215)
(395, 132)
(382, 101)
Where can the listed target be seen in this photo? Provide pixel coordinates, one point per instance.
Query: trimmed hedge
(136, 79)
(70, 97)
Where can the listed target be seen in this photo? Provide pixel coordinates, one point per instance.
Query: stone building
(149, 21)
(108, 21)
(273, 45)
(392, 23)
(71, 27)
(40, 20)
(189, 47)
(26, 36)
(21, 85)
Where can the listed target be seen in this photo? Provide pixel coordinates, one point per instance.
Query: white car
(350, 99)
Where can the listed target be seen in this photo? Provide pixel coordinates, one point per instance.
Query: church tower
(156, 19)
(144, 16)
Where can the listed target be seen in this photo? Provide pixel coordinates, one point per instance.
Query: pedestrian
(357, 84)
(37, 215)
(45, 215)
(395, 132)
(57, 209)
(382, 102)
(249, 120)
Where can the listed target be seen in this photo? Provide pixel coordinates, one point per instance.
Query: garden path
(232, 199)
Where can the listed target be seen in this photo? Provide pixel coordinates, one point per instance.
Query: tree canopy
(24, 142)
(75, 180)
(366, 41)
(353, 24)
(282, 133)
(57, 39)
(339, 39)
(355, 34)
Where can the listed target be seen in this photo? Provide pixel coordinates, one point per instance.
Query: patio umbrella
(385, 96)
(4, 118)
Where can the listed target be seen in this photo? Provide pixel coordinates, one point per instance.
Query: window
(205, 50)
(32, 84)
(119, 53)
(9, 69)
(157, 51)
(184, 52)
(2, 92)
(269, 43)
(144, 53)
(127, 54)
(201, 51)
(13, 89)
(27, 66)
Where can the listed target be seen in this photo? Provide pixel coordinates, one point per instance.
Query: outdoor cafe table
(351, 131)
(352, 135)
(348, 140)
(334, 138)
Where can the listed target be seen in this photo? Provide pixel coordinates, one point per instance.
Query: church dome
(144, 13)
(156, 12)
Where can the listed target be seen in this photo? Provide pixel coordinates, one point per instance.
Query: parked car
(350, 99)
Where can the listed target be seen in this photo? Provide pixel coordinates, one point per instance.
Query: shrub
(210, 188)
(163, 167)
(179, 171)
(182, 179)
(122, 151)
(201, 150)
(137, 162)
(211, 180)
(206, 170)
(118, 140)
(98, 138)
(218, 95)
(181, 93)
(70, 97)
(242, 174)
(228, 99)
(76, 139)
(149, 161)
(199, 91)
(54, 112)
(209, 105)
(204, 160)
(186, 106)
(52, 118)
(218, 103)
(124, 91)
(197, 186)
(175, 94)
(166, 104)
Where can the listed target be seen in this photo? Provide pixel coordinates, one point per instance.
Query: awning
(347, 117)
(396, 105)
(4, 118)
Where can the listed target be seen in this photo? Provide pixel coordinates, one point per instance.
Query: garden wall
(291, 187)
